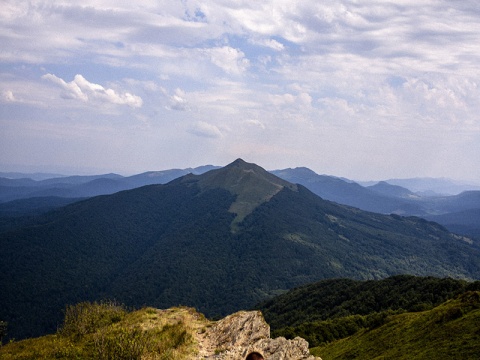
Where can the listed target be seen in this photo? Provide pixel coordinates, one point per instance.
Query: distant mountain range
(459, 213)
(86, 186)
(434, 186)
(219, 241)
(20, 195)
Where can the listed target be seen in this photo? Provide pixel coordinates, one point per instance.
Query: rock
(246, 332)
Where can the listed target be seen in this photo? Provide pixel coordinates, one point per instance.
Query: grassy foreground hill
(107, 331)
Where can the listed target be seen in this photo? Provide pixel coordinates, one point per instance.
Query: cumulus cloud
(269, 43)
(8, 96)
(254, 122)
(178, 101)
(302, 99)
(230, 60)
(81, 89)
(336, 107)
(204, 129)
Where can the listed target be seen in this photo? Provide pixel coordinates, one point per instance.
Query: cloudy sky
(361, 89)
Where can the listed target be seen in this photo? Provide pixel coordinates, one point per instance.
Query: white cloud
(269, 43)
(204, 129)
(336, 107)
(230, 60)
(301, 100)
(254, 122)
(71, 90)
(178, 101)
(81, 89)
(8, 96)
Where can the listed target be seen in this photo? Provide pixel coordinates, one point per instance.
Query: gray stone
(239, 334)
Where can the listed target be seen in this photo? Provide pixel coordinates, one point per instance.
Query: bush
(86, 318)
(3, 331)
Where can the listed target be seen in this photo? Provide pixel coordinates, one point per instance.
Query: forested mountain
(386, 198)
(463, 222)
(345, 192)
(389, 190)
(87, 186)
(220, 241)
(382, 197)
(438, 186)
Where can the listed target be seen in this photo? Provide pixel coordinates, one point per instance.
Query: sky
(366, 90)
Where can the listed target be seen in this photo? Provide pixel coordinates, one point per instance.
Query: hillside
(463, 222)
(106, 331)
(385, 197)
(336, 308)
(347, 192)
(449, 331)
(221, 241)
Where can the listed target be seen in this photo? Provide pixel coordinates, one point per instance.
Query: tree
(3, 331)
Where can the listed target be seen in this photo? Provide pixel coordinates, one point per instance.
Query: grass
(106, 331)
(449, 331)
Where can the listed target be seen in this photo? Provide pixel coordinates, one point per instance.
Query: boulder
(246, 332)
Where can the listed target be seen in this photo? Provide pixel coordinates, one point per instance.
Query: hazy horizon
(366, 91)
(91, 172)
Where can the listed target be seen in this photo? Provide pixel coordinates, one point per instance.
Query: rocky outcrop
(246, 332)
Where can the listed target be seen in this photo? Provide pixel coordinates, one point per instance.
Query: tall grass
(107, 331)
(86, 318)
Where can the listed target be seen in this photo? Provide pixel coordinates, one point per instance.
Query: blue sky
(365, 90)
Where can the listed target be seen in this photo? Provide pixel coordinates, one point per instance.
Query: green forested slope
(336, 308)
(449, 331)
(334, 298)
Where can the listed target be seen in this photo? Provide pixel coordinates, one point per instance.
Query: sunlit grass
(106, 331)
(449, 331)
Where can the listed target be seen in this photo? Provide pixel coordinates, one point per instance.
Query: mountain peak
(251, 184)
(239, 162)
(245, 166)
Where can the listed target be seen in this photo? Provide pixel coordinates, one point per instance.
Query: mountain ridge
(382, 197)
(251, 184)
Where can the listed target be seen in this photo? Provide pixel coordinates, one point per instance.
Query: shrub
(86, 318)
(3, 331)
